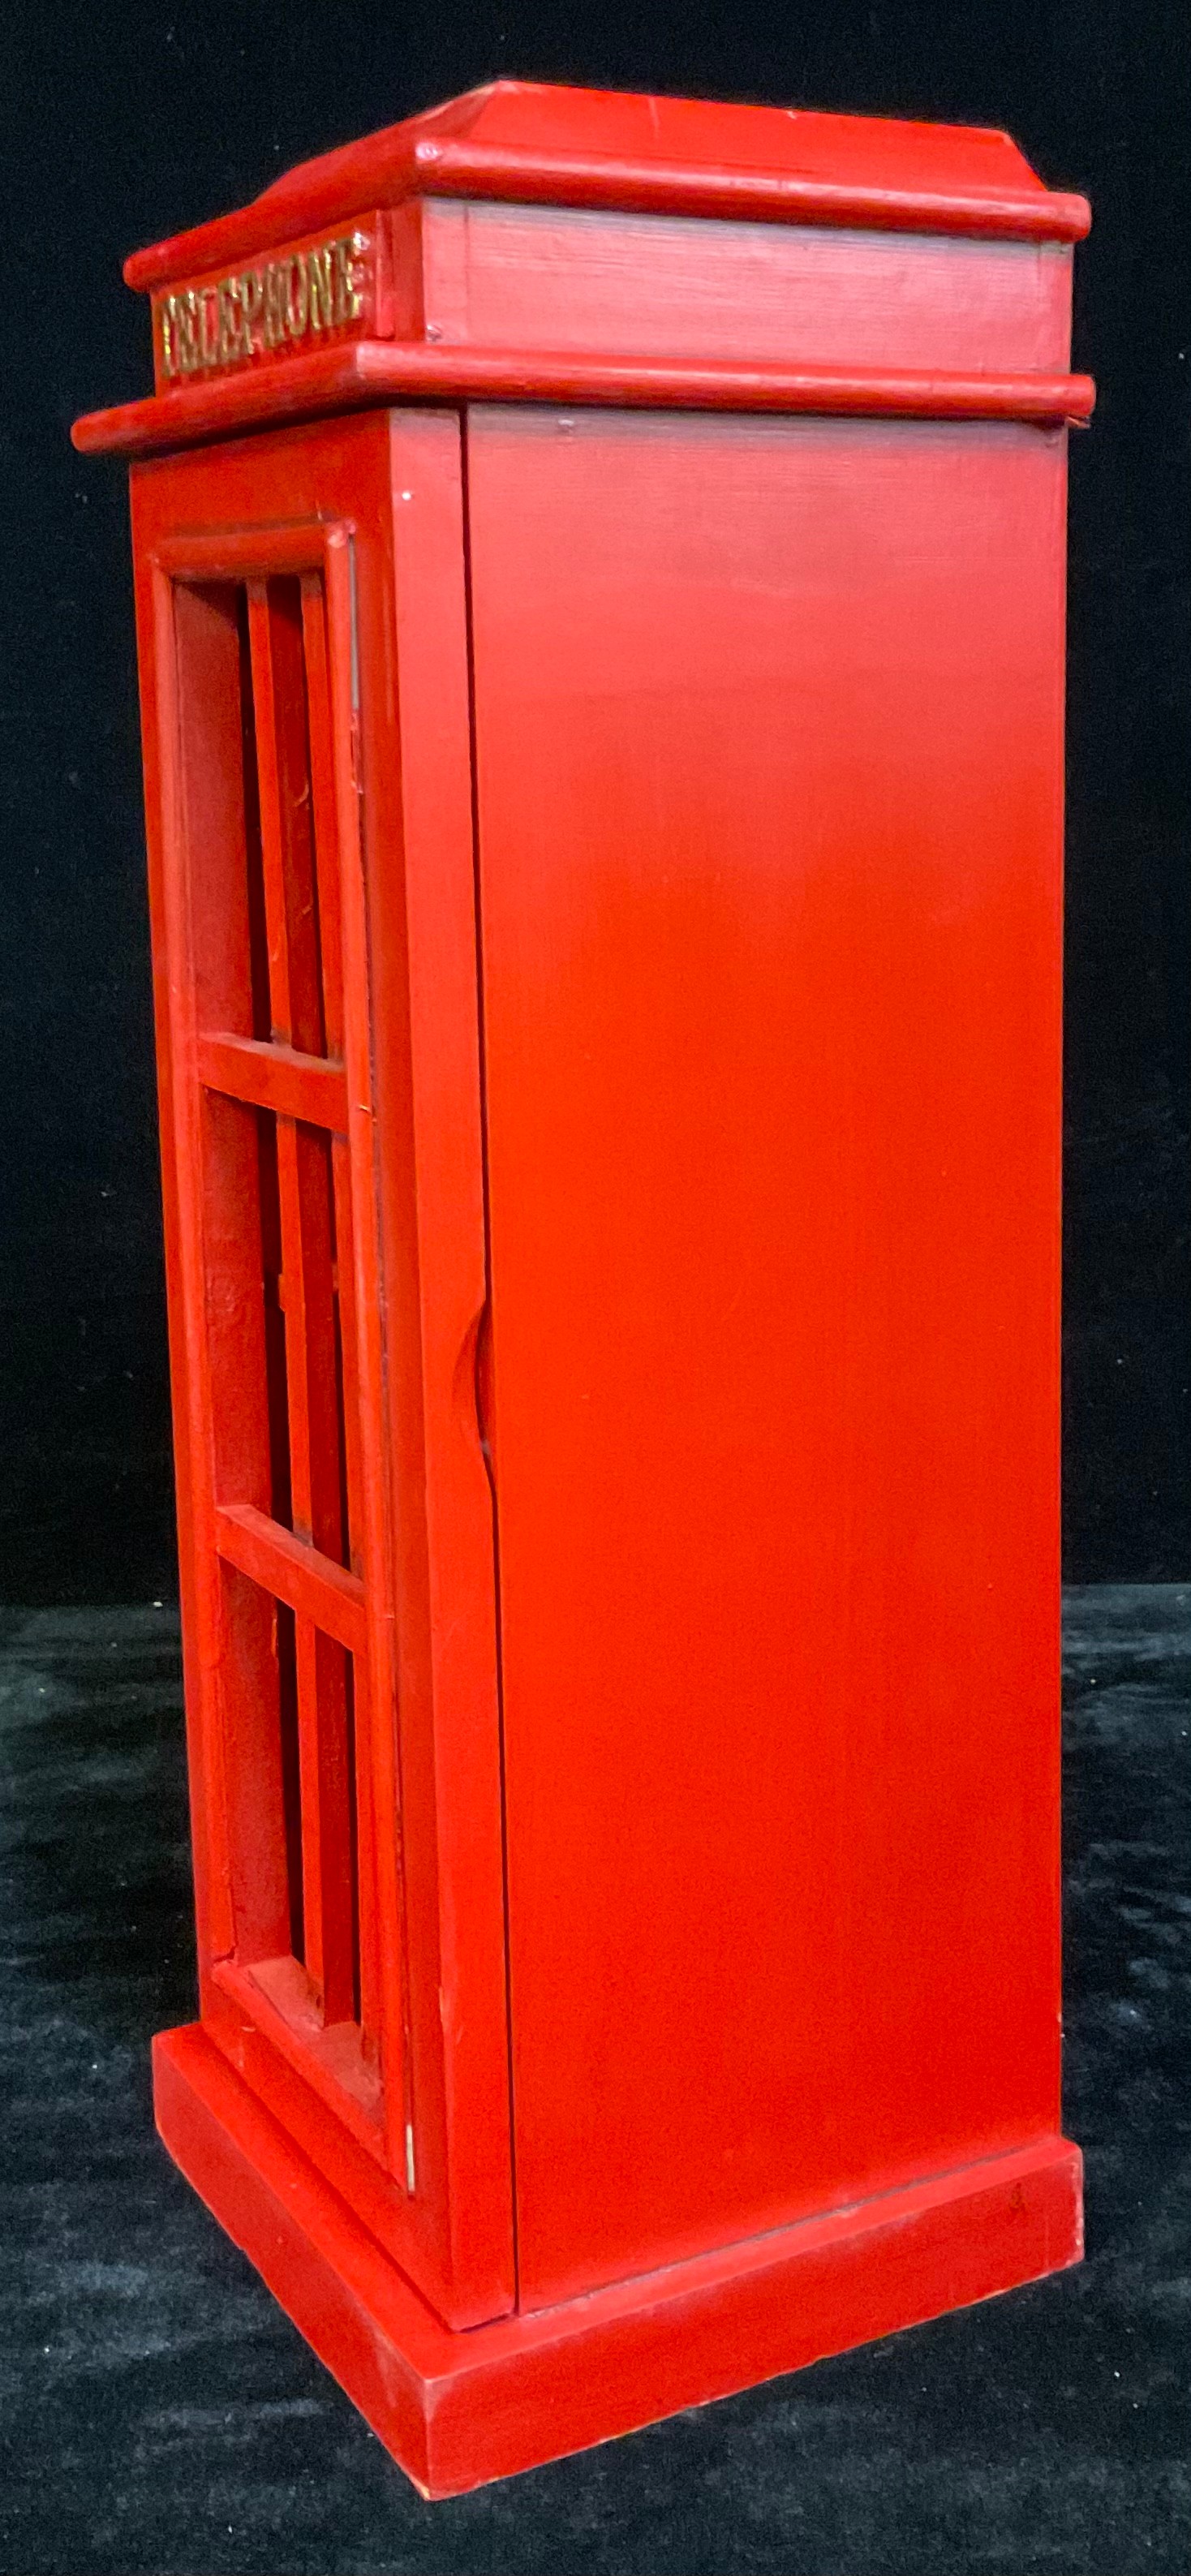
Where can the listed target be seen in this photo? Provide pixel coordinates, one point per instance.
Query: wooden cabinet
(600, 574)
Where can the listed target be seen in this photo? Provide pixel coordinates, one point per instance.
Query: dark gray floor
(159, 2414)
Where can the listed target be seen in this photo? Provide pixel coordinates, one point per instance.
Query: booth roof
(531, 142)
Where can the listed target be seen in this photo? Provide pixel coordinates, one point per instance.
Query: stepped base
(458, 2409)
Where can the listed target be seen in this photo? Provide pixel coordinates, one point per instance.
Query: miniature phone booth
(600, 590)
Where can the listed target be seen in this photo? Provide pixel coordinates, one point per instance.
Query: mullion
(321, 747)
(327, 867)
(305, 1214)
(326, 859)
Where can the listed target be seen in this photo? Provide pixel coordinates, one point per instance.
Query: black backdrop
(124, 123)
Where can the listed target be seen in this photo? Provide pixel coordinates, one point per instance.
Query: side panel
(769, 775)
(399, 2095)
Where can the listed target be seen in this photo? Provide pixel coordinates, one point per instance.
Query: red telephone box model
(600, 582)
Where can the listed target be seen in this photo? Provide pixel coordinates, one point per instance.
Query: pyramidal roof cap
(531, 142)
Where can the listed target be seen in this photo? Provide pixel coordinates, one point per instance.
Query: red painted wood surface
(369, 372)
(539, 245)
(555, 278)
(525, 142)
(457, 2410)
(352, 1967)
(603, 747)
(768, 737)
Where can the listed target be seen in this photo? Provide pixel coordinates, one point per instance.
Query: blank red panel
(564, 277)
(769, 787)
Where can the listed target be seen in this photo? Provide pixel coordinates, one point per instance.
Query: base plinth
(457, 2409)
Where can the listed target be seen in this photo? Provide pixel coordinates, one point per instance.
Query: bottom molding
(457, 2409)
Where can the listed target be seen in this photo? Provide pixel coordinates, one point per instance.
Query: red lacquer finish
(327, 1267)
(600, 575)
(770, 911)
(457, 2410)
(518, 141)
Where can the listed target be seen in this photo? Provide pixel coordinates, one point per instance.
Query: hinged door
(334, 1506)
